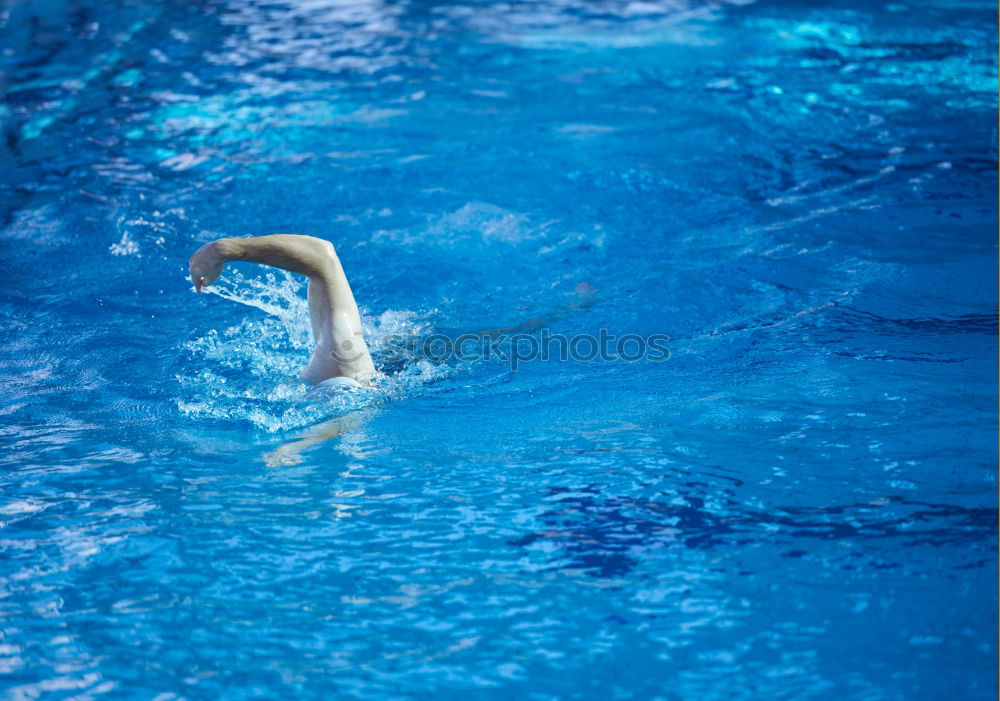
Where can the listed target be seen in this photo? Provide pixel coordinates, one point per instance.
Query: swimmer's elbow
(326, 255)
(325, 248)
(316, 252)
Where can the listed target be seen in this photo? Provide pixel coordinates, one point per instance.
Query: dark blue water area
(800, 502)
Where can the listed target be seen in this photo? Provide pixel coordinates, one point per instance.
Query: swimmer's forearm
(305, 255)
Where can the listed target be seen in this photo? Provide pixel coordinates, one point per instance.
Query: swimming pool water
(800, 503)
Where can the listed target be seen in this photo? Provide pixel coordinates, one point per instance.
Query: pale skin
(336, 324)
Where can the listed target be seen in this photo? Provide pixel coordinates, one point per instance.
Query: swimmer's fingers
(201, 276)
(199, 281)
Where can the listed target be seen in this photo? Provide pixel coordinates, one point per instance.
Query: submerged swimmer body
(341, 355)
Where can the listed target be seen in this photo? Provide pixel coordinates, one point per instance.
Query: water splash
(279, 298)
(248, 372)
(125, 247)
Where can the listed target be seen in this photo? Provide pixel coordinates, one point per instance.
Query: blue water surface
(800, 503)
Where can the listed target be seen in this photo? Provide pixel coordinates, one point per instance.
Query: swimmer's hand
(206, 265)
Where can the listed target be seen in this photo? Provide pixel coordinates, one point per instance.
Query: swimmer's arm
(290, 453)
(336, 324)
(306, 255)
